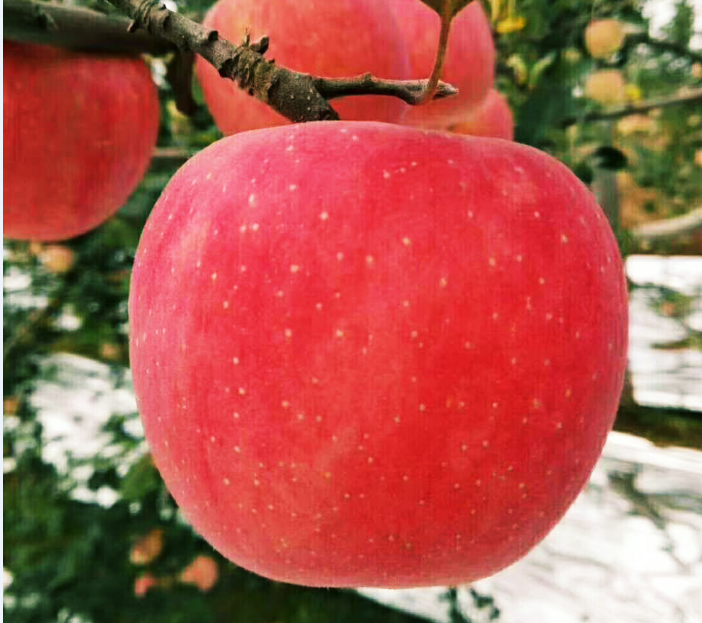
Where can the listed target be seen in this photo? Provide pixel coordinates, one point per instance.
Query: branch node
(228, 68)
(261, 46)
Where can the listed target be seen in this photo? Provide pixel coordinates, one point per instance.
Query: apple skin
(338, 39)
(370, 355)
(469, 64)
(604, 37)
(493, 118)
(79, 132)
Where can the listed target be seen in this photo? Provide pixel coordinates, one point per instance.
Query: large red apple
(79, 131)
(469, 64)
(369, 355)
(492, 118)
(338, 38)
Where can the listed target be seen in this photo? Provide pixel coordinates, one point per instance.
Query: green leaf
(539, 68)
(141, 479)
(447, 7)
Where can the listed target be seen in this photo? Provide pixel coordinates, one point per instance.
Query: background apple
(147, 548)
(604, 37)
(368, 355)
(340, 38)
(57, 258)
(493, 118)
(469, 65)
(606, 86)
(202, 572)
(78, 135)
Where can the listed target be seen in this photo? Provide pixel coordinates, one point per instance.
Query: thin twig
(441, 50)
(670, 228)
(172, 155)
(410, 91)
(666, 46)
(692, 95)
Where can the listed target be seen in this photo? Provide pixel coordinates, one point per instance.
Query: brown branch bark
(692, 95)
(297, 96)
(154, 29)
(669, 229)
(75, 27)
(410, 91)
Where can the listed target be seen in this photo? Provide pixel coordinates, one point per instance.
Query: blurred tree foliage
(69, 529)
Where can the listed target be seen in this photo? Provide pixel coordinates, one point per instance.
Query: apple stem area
(156, 30)
(433, 83)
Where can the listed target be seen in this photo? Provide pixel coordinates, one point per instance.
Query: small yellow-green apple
(57, 258)
(604, 37)
(370, 355)
(606, 86)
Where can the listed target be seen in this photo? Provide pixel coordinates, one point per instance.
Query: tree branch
(410, 91)
(690, 96)
(156, 30)
(665, 46)
(172, 156)
(70, 26)
(297, 96)
(670, 228)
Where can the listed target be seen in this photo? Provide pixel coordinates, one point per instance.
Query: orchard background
(95, 536)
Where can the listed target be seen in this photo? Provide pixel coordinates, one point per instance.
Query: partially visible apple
(202, 572)
(144, 583)
(493, 118)
(110, 351)
(469, 64)
(604, 37)
(79, 131)
(57, 258)
(336, 38)
(147, 548)
(606, 86)
(370, 355)
(10, 405)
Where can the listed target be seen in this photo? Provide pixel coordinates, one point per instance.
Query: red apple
(469, 64)
(78, 135)
(369, 355)
(339, 38)
(493, 118)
